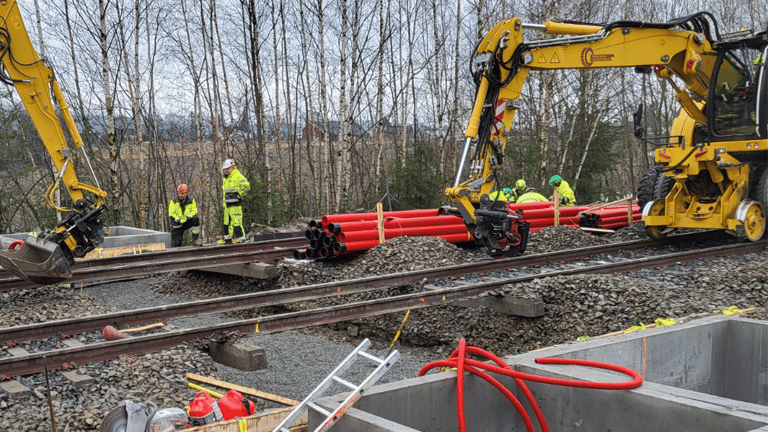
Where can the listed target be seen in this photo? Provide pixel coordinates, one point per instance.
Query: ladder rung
(318, 408)
(344, 382)
(371, 357)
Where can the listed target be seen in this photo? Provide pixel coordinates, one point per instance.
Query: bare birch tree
(112, 146)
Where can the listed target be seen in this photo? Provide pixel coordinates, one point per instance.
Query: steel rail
(178, 253)
(289, 321)
(157, 263)
(308, 292)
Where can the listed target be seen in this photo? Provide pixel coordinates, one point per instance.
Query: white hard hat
(227, 163)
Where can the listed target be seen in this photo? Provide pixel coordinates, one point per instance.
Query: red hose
(15, 243)
(460, 361)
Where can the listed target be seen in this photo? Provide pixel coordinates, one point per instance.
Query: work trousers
(177, 234)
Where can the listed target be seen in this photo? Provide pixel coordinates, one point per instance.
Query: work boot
(226, 240)
(196, 240)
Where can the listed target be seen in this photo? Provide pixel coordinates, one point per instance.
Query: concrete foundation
(241, 355)
(708, 374)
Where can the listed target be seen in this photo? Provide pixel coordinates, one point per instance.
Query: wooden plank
(591, 209)
(599, 230)
(241, 389)
(380, 218)
(110, 252)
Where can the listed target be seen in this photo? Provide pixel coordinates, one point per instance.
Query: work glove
(564, 200)
(183, 219)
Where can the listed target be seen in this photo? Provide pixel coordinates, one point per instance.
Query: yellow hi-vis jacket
(565, 191)
(182, 210)
(235, 186)
(531, 197)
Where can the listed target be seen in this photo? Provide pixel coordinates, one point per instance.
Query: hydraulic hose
(462, 363)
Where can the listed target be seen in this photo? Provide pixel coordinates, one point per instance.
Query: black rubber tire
(647, 187)
(663, 186)
(761, 189)
(757, 188)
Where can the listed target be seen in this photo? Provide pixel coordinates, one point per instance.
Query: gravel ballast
(577, 306)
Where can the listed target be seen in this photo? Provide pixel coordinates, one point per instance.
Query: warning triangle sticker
(555, 58)
(542, 59)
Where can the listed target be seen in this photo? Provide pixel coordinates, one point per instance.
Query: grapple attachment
(38, 260)
(501, 228)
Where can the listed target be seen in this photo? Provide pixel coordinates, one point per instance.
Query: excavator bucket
(38, 260)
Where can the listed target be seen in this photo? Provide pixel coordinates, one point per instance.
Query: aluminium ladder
(335, 376)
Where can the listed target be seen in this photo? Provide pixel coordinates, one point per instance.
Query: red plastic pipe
(550, 212)
(543, 223)
(533, 205)
(344, 247)
(614, 219)
(612, 213)
(358, 217)
(392, 233)
(391, 222)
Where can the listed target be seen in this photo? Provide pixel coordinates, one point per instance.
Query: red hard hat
(182, 189)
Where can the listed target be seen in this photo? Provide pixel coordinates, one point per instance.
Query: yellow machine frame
(673, 51)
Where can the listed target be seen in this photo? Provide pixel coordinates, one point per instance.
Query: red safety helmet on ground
(182, 189)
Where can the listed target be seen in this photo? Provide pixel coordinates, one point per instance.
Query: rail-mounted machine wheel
(752, 215)
(655, 208)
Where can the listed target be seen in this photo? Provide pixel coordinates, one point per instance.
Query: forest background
(164, 90)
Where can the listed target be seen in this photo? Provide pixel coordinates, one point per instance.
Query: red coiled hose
(460, 361)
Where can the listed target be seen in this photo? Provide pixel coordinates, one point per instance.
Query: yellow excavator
(711, 169)
(46, 259)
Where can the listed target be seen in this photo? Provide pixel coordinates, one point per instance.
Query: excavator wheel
(647, 186)
(655, 208)
(752, 215)
(663, 186)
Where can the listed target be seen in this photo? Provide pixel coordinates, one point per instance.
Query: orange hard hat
(182, 188)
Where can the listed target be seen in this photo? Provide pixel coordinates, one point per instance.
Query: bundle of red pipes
(609, 217)
(339, 234)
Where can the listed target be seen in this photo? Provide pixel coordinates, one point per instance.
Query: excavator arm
(503, 60)
(47, 259)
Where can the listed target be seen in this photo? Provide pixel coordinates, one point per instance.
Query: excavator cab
(739, 85)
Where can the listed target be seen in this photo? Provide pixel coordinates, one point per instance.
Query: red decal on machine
(588, 57)
(498, 119)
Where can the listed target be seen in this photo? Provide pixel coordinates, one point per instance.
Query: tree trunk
(455, 115)
(112, 146)
(382, 121)
(343, 108)
(328, 178)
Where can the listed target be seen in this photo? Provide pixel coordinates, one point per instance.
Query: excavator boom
(47, 259)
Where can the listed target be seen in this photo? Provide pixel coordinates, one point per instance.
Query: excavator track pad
(38, 260)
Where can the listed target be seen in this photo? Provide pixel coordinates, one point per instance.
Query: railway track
(170, 260)
(429, 295)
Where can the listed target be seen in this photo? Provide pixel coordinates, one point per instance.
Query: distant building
(315, 130)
